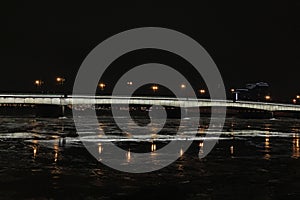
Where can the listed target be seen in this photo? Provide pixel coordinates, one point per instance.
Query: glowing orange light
(60, 80)
(296, 149)
(267, 97)
(202, 91)
(154, 88)
(102, 86)
(38, 82)
(34, 151)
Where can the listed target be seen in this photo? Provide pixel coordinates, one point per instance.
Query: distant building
(253, 92)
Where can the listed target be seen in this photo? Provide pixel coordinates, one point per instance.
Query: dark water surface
(43, 158)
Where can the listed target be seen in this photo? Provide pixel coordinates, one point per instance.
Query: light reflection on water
(100, 148)
(55, 152)
(231, 150)
(153, 147)
(128, 155)
(47, 130)
(34, 151)
(51, 146)
(267, 146)
(296, 148)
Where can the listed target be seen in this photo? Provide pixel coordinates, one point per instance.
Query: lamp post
(183, 87)
(202, 92)
(297, 99)
(38, 83)
(60, 81)
(268, 97)
(294, 101)
(154, 88)
(233, 94)
(102, 86)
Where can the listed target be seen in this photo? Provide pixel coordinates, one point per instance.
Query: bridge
(63, 100)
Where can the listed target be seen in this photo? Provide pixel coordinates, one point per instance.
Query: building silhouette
(253, 92)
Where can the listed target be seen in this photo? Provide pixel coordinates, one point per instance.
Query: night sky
(249, 42)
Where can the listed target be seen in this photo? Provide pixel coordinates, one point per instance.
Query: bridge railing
(63, 97)
(31, 96)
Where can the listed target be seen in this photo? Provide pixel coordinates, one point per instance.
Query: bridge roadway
(163, 101)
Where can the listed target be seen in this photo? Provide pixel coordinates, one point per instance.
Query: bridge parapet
(162, 101)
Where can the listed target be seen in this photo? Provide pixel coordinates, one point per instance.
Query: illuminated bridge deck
(162, 101)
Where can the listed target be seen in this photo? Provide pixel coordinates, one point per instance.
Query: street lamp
(298, 96)
(202, 91)
(183, 86)
(154, 88)
(38, 83)
(234, 94)
(268, 97)
(294, 101)
(129, 83)
(60, 80)
(102, 86)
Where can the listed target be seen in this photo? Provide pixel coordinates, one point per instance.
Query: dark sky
(249, 42)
